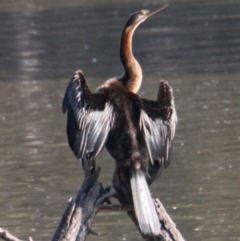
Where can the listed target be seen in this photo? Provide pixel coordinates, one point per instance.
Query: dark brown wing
(158, 122)
(90, 118)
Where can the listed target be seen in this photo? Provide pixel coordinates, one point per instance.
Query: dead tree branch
(77, 220)
(7, 236)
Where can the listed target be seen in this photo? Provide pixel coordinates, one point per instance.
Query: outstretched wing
(89, 120)
(158, 122)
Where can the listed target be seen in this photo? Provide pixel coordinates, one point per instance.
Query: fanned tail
(143, 205)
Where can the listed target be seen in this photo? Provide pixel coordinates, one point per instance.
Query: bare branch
(6, 235)
(115, 207)
(79, 215)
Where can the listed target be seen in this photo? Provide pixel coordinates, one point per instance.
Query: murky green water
(193, 44)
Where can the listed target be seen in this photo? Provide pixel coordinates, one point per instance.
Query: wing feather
(90, 118)
(158, 121)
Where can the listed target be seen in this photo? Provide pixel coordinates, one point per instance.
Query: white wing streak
(93, 123)
(156, 135)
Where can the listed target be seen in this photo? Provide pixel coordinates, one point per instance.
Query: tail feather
(143, 205)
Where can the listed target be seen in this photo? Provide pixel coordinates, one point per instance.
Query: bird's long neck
(132, 78)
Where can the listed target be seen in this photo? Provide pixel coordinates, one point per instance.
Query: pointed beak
(160, 9)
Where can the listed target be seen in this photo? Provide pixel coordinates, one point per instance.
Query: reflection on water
(193, 45)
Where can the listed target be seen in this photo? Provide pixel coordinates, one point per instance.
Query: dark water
(193, 44)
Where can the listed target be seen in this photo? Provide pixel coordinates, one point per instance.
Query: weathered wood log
(97, 196)
(77, 220)
(5, 235)
(79, 215)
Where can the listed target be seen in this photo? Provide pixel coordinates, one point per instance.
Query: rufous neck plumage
(132, 78)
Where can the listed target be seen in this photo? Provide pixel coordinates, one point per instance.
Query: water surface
(194, 45)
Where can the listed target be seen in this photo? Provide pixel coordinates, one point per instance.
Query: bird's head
(136, 18)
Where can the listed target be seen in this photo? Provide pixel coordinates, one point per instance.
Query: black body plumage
(130, 127)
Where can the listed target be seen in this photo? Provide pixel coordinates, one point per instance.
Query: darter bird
(136, 132)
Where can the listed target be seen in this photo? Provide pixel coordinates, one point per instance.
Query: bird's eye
(141, 13)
